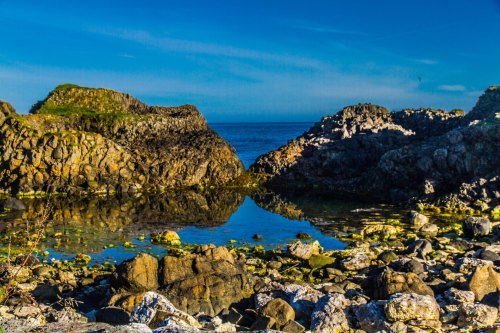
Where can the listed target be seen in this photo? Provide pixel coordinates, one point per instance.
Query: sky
(252, 61)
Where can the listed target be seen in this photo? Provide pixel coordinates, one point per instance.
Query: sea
(114, 230)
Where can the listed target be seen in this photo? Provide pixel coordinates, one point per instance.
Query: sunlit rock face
(98, 140)
(415, 154)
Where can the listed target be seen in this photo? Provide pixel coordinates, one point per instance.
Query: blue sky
(254, 60)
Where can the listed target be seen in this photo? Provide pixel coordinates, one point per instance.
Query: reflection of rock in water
(99, 221)
(325, 212)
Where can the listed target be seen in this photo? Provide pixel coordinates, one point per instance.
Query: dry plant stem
(40, 225)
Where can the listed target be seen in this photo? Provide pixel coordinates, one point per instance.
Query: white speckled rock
(329, 316)
(356, 262)
(304, 250)
(152, 303)
(405, 307)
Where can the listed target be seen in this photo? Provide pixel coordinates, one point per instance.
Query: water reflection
(110, 227)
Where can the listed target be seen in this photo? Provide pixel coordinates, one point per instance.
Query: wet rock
(279, 310)
(47, 293)
(204, 282)
(303, 236)
(476, 226)
(417, 219)
(257, 237)
(390, 282)
(357, 262)
(112, 315)
(137, 274)
(477, 316)
(483, 281)
(155, 308)
(328, 315)
(406, 307)
(304, 250)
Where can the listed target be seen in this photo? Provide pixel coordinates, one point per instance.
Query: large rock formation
(99, 140)
(414, 154)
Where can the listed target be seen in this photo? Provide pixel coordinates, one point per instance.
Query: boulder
(477, 316)
(137, 274)
(483, 281)
(417, 219)
(357, 262)
(390, 282)
(304, 250)
(207, 281)
(420, 246)
(279, 310)
(476, 226)
(328, 315)
(406, 307)
(155, 308)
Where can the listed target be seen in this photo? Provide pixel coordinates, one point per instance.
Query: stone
(112, 315)
(262, 324)
(304, 250)
(155, 308)
(389, 282)
(456, 296)
(476, 226)
(207, 282)
(420, 246)
(477, 316)
(25, 311)
(279, 310)
(483, 281)
(417, 219)
(137, 274)
(47, 293)
(429, 230)
(328, 315)
(357, 262)
(319, 261)
(387, 256)
(67, 277)
(293, 327)
(371, 317)
(406, 307)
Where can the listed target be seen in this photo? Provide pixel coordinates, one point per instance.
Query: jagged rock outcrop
(99, 140)
(415, 154)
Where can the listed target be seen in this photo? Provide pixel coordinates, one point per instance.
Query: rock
(112, 315)
(112, 142)
(318, 261)
(371, 317)
(417, 219)
(204, 282)
(477, 316)
(293, 327)
(304, 250)
(25, 311)
(303, 299)
(483, 281)
(257, 237)
(167, 237)
(390, 282)
(155, 308)
(279, 310)
(420, 246)
(357, 262)
(303, 236)
(262, 324)
(414, 154)
(387, 256)
(476, 226)
(406, 307)
(328, 315)
(455, 296)
(67, 277)
(137, 274)
(47, 293)
(12, 204)
(429, 230)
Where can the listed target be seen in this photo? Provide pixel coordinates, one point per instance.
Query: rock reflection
(89, 224)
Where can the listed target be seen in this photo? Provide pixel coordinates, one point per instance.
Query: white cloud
(426, 61)
(452, 87)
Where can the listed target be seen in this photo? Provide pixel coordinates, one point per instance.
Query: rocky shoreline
(401, 276)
